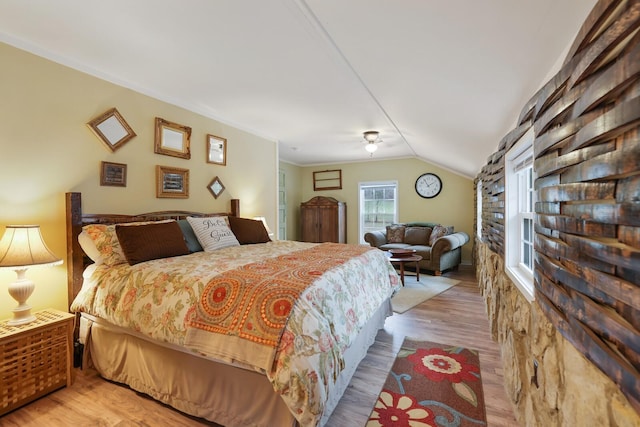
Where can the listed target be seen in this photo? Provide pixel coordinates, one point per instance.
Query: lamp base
(21, 290)
(21, 316)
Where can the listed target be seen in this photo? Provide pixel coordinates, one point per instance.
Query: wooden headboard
(76, 219)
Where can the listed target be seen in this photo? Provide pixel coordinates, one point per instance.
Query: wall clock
(428, 185)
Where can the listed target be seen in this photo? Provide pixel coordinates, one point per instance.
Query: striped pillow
(213, 232)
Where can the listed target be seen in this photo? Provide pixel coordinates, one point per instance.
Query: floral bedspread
(157, 298)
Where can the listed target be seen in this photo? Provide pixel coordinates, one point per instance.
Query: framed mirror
(172, 182)
(111, 128)
(216, 187)
(172, 139)
(216, 150)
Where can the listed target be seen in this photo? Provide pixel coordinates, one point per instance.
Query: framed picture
(172, 139)
(216, 187)
(327, 180)
(172, 182)
(113, 174)
(111, 128)
(216, 150)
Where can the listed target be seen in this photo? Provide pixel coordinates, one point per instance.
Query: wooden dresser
(323, 219)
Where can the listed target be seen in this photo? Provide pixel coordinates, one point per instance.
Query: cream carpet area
(414, 292)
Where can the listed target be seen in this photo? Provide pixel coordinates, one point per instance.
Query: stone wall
(570, 390)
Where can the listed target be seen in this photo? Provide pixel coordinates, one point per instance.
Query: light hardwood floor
(456, 317)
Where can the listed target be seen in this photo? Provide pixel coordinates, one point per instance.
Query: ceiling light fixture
(371, 136)
(371, 147)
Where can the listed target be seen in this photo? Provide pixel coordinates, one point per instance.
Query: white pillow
(213, 232)
(89, 247)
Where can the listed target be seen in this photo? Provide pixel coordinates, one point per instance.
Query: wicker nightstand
(35, 358)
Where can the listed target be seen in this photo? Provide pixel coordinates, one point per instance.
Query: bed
(260, 333)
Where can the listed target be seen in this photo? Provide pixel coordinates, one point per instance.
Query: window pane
(530, 170)
(530, 190)
(378, 205)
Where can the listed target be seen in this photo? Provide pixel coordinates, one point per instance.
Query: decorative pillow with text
(213, 232)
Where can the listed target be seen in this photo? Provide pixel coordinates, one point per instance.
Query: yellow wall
(46, 149)
(453, 206)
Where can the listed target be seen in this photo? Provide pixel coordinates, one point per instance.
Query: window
(525, 211)
(519, 214)
(378, 206)
(479, 209)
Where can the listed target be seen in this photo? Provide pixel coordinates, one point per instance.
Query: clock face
(428, 185)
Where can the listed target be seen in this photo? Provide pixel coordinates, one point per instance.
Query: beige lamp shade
(22, 246)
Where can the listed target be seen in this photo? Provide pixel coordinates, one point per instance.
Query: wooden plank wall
(586, 123)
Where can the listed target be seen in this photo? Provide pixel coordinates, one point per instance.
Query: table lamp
(22, 247)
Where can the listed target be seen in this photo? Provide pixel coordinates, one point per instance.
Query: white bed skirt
(225, 394)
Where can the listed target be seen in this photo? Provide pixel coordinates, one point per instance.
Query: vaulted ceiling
(443, 81)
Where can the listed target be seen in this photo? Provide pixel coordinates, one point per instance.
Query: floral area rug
(431, 385)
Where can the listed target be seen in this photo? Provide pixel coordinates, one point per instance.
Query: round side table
(405, 259)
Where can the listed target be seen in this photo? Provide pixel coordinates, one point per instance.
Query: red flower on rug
(399, 410)
(440, 365)
(431, 384)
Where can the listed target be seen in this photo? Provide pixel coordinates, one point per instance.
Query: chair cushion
(388, 246)
(395, 233)
(437, 232)
(417, 235)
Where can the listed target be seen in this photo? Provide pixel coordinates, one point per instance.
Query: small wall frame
(172, 182)
(216, 150)
(112, 129)
(113, 174)
(172, 139)
(216, 187)
(327, 180)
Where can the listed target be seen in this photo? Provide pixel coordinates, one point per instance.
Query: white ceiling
(440, 80)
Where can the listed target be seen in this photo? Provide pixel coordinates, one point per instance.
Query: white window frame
(361, 187)
(519, 205)
(479, 209)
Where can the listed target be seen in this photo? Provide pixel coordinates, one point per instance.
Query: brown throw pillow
(395, 233)
(248, 231)
(417, 235)
(438, 231)
(151, 241)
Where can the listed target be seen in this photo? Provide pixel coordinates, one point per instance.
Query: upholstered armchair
(439, 246)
